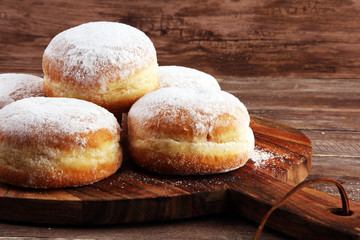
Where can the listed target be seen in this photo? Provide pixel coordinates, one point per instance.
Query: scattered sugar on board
(352, 189)
(137, 176)
(90, 51)
(262, 157)
(186, 182)
(181, 182)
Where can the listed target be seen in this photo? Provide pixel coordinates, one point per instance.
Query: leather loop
(344, 200)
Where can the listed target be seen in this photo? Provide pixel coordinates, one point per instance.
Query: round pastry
(107, 63)
(178, 76)
(57, 142)
(16, 86)
(189, 131)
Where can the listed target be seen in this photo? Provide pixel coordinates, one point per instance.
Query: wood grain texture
(132, 195)
(305, 38)
(312, 212)
(211, 227)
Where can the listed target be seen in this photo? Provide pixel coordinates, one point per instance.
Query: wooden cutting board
(134, 195)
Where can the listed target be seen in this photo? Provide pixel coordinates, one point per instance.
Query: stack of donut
(64, 131)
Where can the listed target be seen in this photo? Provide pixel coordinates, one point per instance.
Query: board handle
(308, 214)
(344, 199)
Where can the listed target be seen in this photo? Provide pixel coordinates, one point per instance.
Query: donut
(16, 86)
(57, 142)
(189, 131)
(110, 64)
(178, 76)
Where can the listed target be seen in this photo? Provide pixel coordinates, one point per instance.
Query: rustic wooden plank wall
(245, 38)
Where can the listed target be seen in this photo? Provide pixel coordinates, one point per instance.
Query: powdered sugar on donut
(47, 119)
(178, 76)
(88, 53)
(15, 86)
(200, 105)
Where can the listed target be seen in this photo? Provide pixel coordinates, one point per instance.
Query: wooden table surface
(295, 62)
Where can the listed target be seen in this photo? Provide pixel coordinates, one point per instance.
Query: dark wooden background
(293, 61)
(246, 38)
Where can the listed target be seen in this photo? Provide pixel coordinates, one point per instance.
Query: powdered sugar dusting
(15, 86)
(200, 105)
(90, 51)
(178, 76)
(43, 118)
(262, 157)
